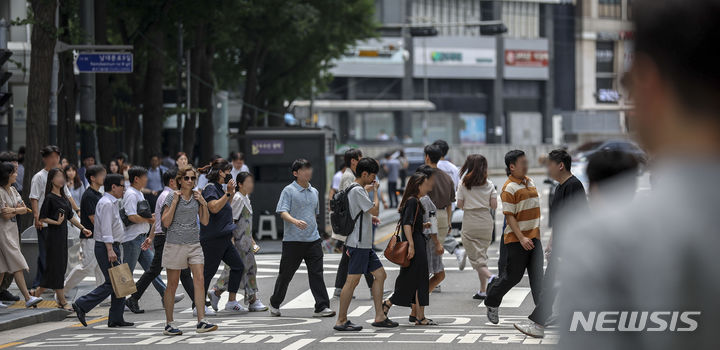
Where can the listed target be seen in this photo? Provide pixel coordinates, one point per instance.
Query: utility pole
(88, 137)
(407, 89)
(4, 93)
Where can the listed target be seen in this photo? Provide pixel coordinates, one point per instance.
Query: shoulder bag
(397, 249)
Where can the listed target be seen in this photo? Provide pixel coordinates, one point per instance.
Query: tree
(67, 89)
(42, 41)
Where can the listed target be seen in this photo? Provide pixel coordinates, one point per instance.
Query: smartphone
(61, 211)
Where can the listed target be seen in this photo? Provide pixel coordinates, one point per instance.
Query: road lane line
(298, 344)
(304, 300)
(7, 345)
(91, 322)
(359, 311)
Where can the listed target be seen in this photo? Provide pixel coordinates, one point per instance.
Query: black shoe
(80, 314)
(120, 324)
(348, 327)
(7, 296)
(133, 305)
(479, 296)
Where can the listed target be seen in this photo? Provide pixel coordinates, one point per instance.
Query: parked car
(581, 154)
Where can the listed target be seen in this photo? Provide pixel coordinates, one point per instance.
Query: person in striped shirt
(521, 207)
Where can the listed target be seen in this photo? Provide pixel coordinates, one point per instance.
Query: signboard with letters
(526, 58)
(104, 62)
(268, 147)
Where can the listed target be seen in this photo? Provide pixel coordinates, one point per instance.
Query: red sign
(526, 58)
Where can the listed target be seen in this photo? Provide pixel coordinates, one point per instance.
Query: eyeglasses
(190, 178)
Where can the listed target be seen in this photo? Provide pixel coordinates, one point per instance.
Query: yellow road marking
(7, 345)
(385, 238)
(91, 322)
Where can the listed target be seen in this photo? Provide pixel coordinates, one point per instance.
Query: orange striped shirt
(520, 199)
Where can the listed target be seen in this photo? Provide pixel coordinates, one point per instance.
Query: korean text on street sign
(268, 147)
(105, 62)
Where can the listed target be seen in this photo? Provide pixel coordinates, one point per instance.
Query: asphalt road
(463, 324)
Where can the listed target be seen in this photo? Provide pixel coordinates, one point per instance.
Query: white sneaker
(234, 306)
(3, 306)
(327, 312)
(493, 314)
(461, 256)
(274, 312)
(214, 299)
(257, 306)
(179, 297)
(208, 312)
(530, 328)
(33, 301)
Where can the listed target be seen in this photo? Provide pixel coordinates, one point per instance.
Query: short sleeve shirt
(37, 188)
(302, 204)
(221, 223)
(130, 201)
(347, 179)
(520, 199)
(184, 228)
(336, 181)
(478, 197)
(359, 200)
(393, 170)
(428, 206)
(88, 203)
(413, 215)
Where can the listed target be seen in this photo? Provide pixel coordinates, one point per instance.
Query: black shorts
(362, 260)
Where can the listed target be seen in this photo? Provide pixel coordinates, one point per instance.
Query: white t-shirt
(37, 188)
(360, 201)
(450, 169)
(478, 197)
(336, 180)
(130, 200)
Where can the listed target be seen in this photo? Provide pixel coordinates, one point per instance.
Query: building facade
(603, 53)
(483, 88)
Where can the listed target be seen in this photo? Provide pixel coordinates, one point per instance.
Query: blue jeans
(132, 254)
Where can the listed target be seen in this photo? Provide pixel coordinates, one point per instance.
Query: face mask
(228, 177)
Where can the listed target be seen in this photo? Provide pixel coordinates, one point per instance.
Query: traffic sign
(104, 62)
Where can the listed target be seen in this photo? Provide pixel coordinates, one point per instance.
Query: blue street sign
(104, 62)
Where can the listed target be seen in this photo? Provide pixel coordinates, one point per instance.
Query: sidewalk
(16, 315)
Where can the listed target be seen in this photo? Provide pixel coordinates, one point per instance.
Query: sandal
(412, 319)
(425, 322)
(347, 327)
(385, 305)
(386, 323)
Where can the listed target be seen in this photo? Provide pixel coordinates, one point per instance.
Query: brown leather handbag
(397, 249)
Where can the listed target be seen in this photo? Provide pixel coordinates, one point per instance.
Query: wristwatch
(227, 194)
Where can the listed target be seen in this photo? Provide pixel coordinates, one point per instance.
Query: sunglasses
(190, 178)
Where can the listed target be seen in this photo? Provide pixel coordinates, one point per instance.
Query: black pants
(518, 260)
(41, 257)
(342, 271)
(502, 259)
(543, 309)
(156, 267)
(222, 249)
(392, 194)
(88, 301)
(293, 253)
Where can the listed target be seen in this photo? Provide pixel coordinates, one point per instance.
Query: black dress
(414, 278)
(56, 247)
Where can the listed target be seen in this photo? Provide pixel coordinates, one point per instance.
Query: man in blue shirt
(298, 206)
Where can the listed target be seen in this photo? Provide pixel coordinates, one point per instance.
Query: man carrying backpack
(352, 208)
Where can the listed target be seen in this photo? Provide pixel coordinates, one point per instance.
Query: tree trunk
(38, 113)
(205, 93)
(107, 144)
(153, 111)
(197, 55)
(67, 95)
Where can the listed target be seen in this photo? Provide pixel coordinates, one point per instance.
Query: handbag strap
(398, 228)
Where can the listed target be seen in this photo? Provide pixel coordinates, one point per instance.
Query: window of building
(605, 87)
(610, 9)
(373, 126)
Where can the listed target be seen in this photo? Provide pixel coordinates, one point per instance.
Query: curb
(31, 318)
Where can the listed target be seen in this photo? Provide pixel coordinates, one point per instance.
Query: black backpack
(341, 220)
